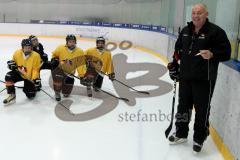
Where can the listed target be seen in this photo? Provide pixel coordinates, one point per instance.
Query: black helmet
(71, 37)
(100, 39)
(26, 42)
(32, 37)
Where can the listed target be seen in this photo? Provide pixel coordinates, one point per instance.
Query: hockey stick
(3, 90)
(120, 98)
(143, 92)
(58, 102)
(2, 81)
(6, 88)
(27, 79)
(168, 130)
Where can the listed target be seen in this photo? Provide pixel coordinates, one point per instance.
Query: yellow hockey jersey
(105, 57)
(29, 66)
(70, 61)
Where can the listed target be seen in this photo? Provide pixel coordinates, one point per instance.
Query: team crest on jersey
(22, 69)
(68, 62)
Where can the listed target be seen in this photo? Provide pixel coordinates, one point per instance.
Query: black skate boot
(197, 147)
(57, 96)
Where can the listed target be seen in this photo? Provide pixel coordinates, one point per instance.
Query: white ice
(30, 130)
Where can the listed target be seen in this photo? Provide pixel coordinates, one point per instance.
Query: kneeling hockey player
(24, 66)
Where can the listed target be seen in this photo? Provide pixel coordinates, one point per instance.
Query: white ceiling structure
(116, 11)
(77, 1)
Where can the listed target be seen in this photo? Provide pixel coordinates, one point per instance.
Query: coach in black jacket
(200, 47)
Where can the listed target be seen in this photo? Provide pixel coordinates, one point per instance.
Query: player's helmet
(100, 39)
(32, 37)
(26, 42)
(71, 37)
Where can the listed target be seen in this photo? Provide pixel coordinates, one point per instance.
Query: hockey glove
(174, 70)
(37, 84)
(54, 63)
(44, 57)
(12, 65)
(111, 76)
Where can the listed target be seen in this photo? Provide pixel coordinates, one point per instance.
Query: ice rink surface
(103, 128)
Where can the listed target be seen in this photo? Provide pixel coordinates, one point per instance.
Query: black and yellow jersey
(29, 66)
(105, 57)
(70, 61)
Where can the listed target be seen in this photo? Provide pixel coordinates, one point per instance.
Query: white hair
(202, 5)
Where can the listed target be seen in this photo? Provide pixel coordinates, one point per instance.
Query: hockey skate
(173, 139)
(197, 147)
(57, 96)
(89, 91)
(10, 99)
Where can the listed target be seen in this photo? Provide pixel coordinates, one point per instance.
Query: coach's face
(199, 15)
